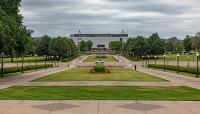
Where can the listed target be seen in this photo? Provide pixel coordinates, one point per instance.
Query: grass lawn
(26, 59)
(100, 93)
(83, 74)
(172, 57)
(107, 58)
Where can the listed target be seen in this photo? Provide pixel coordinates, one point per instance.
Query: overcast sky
(137, 17)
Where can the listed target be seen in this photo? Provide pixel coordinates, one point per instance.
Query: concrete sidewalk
(99, 107)
(173, 77)
(24, 78)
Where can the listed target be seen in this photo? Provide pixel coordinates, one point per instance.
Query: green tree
(155, 45)
(88, 45)
(187, 43)
(43, 45)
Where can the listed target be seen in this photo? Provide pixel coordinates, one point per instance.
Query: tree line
(16, 40)
(14, 36)
(140, 47)
(62, 47)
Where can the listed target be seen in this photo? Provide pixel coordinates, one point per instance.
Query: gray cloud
(138, 17)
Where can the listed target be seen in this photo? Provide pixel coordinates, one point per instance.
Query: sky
(136, 17)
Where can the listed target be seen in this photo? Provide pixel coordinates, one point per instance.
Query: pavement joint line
(184, 107)
(98, 103)
(12, 106)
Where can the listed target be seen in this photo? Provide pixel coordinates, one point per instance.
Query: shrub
(191, 70)
(100, 68)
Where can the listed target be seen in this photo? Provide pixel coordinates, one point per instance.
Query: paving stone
(55, 106)
(140, 106)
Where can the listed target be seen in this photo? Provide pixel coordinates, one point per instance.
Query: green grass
(107, 58)
(190, 70)
(100, 93)
(172, 57)
(83, 74)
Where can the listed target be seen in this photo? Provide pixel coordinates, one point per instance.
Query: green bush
(100, 68)
(26, 68)
(191, 70)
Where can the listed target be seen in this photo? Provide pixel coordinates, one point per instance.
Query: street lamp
(177, 58)
(188, 59)
(147, 61)
(155, 60)
(164, 62)
(2, 64)
(197, 75)
(57, 60)
(52, 60)
(35, 62)
(45, 61)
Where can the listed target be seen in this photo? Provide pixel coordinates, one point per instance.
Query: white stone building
(99, 40)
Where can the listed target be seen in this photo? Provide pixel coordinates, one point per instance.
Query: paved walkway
(24, 78)
(99, 107)
(100, 83)
(173, 77)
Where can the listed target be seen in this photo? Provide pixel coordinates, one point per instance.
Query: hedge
(26, 68)
(191, 70)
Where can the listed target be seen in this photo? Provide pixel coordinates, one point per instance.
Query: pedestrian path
(100, 83)
(173, 77)
(24, 78)
(99, 107)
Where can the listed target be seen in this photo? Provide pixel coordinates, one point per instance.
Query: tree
(187, 43)
(115, 46)
(155, 45)
(14, 33)
(88, 45)
(59, 47)
(43, 45)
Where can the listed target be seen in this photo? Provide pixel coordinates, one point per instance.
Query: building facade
(99, 40)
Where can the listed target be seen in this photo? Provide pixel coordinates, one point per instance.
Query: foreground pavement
(99, 107)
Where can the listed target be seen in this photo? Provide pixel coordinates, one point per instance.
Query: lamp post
(52, 60)
(164, 62)
(57, 60)
(197, 75)
(167, 57)
(142, 62)
(155, 60)
(1, 64)
(177, 58)
(35, 62)
(45, 61)
(147, 61)
(188, 60)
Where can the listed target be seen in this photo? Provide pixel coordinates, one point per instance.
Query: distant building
(99, 40)
(198, 34)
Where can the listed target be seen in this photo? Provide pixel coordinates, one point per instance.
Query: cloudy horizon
(137, 17)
